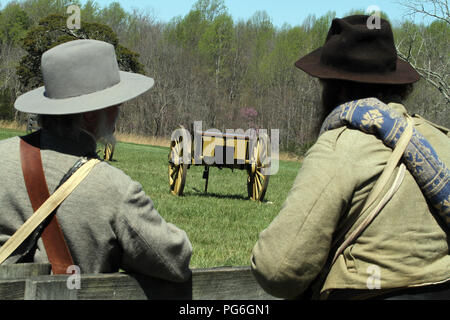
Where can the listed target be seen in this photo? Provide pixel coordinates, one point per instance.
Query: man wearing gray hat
(99, 227)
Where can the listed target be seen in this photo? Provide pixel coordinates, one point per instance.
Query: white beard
(105, 131)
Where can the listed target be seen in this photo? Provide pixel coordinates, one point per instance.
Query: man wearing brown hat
(107, 222)
(368, 214)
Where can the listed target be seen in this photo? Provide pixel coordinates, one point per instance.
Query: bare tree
(430, 62)
(437, 9)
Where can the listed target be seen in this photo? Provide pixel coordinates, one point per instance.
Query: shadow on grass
(202, 194)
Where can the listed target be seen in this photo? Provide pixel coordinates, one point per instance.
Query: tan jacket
(404, 246)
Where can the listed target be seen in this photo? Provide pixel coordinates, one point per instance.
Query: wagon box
(212, 148)
(224, 148)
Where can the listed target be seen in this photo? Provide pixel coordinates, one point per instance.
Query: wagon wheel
(177, 170)
(109, 151)
(258, 180)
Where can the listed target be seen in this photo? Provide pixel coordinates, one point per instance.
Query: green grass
(222, 225)
(8, 133)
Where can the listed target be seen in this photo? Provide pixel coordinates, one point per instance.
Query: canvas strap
(382, 181)
(347, 236)
(43, 205)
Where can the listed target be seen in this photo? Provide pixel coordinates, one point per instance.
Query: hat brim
(404, 74)
(131, 85)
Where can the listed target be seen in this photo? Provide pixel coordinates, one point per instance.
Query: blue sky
(292, 12)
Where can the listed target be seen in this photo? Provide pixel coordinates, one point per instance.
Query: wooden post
(24, 270)
(13, 278)
(226, 284)
(205, 284)
(115, 286)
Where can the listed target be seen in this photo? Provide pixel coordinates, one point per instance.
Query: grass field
(222, 225)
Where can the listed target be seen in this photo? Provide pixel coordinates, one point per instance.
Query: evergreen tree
(53, 31)
(6, 104)
(14, 23)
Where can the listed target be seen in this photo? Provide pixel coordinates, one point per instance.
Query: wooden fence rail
(34, 282)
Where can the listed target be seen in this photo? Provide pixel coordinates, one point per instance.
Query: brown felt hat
(355, 52)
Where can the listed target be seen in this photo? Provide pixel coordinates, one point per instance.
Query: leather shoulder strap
(55, 245)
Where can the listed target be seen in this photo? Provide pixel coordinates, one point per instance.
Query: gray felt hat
(81, 76)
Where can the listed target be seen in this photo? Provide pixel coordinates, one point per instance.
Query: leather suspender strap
(55, 245)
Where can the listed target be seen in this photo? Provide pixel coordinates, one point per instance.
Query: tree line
(209, 67)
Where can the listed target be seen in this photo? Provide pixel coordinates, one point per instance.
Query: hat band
(85, 92)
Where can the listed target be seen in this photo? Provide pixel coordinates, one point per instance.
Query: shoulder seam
(443, 129)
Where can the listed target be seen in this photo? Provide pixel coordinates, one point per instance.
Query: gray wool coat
(108, 221)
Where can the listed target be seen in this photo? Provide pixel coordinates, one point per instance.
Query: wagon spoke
(175, 172)
(177, 169)
(177, 149)
(255, 188)
(258, 181)
(258, 172)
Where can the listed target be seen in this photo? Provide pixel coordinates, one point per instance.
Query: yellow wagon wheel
(177, 170)
(109, 151)
(258, 180)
